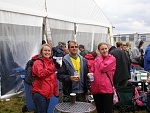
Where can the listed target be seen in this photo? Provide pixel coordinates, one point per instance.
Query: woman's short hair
(118, 44)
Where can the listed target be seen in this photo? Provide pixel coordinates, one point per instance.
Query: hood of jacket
(137, 42)
(58, 49)
(35, 57)
(89, 57)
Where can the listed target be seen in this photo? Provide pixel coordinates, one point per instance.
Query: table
(135, 82)
(78, 107)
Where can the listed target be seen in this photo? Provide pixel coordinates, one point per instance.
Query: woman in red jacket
(101, 87)
(45, 84)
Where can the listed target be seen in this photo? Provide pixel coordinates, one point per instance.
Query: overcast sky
(127, 16)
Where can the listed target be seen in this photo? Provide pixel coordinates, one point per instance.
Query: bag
(28, 71)
(116, 98)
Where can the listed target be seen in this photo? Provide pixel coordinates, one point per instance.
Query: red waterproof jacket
(101, 83)
(45, 81)
(90, 58)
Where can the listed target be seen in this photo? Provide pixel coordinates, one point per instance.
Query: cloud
(127, 16)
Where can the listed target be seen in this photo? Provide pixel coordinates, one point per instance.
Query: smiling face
(103, 49)
(46, 51)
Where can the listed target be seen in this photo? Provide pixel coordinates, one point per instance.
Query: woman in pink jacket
(45, 84)
(101, 87)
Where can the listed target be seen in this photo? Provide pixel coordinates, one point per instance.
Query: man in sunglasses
(73, 74)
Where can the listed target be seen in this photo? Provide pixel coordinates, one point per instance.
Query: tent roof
(78, 11)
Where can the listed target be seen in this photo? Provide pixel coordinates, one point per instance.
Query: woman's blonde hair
(44, 46)
(128, 44)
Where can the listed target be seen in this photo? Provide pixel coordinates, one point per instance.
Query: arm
(136, 54)
(39, 70)
(63, 73)
(107, 64)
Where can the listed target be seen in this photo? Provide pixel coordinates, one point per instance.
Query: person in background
(147, 59)
(73, 74)
(148, 97)
(119, 45)
(124, 48)
(138, 55)
(128, 44)
(83, 52)
(122, 73)
(101, 87)
(43, 42)
(59, 51)
(45, 83)
(90, 58)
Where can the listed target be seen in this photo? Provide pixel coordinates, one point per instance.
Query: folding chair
(126, 104)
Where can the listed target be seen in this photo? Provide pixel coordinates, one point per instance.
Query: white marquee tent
(24, 23)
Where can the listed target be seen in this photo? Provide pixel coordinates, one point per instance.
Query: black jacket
(122, 65)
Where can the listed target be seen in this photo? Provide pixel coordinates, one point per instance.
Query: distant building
(132, 38)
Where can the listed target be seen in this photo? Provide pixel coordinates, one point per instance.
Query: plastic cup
(76, 74)
(72, 98)
(59, 60)
(91, 77)
(138, 77)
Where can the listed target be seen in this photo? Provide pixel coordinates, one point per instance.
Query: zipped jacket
(101, 83)
(45, 81)
(67, 70)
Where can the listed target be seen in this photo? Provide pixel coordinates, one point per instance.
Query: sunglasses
(73, 46)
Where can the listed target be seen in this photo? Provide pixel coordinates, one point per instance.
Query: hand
(88, 92)
(74, 78)
(148, 80)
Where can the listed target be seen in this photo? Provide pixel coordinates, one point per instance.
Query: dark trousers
(103, 102)
(41, 103)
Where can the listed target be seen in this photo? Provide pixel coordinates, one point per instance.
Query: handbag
(115, 95)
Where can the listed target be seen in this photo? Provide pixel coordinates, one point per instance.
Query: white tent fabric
(30, 7)
(21, 26)
(79, 20)
(77, 11)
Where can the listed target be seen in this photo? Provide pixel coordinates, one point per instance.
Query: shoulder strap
(109, 79)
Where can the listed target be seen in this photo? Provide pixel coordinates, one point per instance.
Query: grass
(15, 106)
(12, 106)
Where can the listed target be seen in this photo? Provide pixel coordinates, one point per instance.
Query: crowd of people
(114, 61)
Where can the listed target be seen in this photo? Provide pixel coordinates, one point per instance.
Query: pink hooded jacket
(101, 83)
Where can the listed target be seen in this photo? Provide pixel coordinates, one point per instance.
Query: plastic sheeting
(88, 35)
(18, 42)
(21, 31)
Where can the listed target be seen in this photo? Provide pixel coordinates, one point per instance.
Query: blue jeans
(41, 103)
